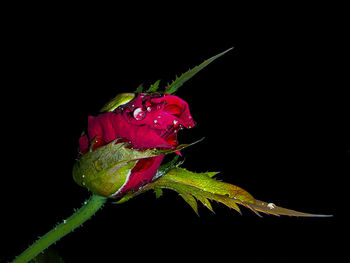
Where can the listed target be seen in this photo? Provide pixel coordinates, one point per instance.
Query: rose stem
(88, 209)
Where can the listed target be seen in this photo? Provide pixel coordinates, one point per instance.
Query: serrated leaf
(154, 87)
(200, 194)
(189, 199)
(206, 183)
(179, 81)
(204, 201)
(270, 208)
(203, 187)
(211, 174)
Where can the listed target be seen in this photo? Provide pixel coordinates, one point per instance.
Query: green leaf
(203, 181)
(154, 87)
(203, 187)
(200, 194)
(189, 199)
(178, 82)
(205, 202)
(270, 208)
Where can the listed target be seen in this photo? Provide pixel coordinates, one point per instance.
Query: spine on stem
(89, 208)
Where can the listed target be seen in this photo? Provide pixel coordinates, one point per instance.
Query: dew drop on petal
(139, 114)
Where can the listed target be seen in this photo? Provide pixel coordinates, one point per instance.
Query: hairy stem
(88, 209)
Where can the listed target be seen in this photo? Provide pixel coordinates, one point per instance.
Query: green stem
(89, 208)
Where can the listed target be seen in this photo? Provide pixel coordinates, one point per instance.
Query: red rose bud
(118, 154)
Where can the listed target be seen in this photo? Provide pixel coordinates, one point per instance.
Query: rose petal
(142, 173)
(83, 144)
(148, 121)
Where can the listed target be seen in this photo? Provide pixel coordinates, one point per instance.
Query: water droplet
(271, 205)
(149, 109)
(83, 176)
(175, 122)
(155, 121)
(64, 221)
(139, 114)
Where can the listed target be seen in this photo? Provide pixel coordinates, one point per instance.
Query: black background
(273, 112)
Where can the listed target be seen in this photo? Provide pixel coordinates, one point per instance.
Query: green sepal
(167, 166)
(105, 170)
(158, 192)
(164, 168)
(125, 198)
(154, 87)
(179, 81)
(178, 148)
(139, 89)
(117, 101)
